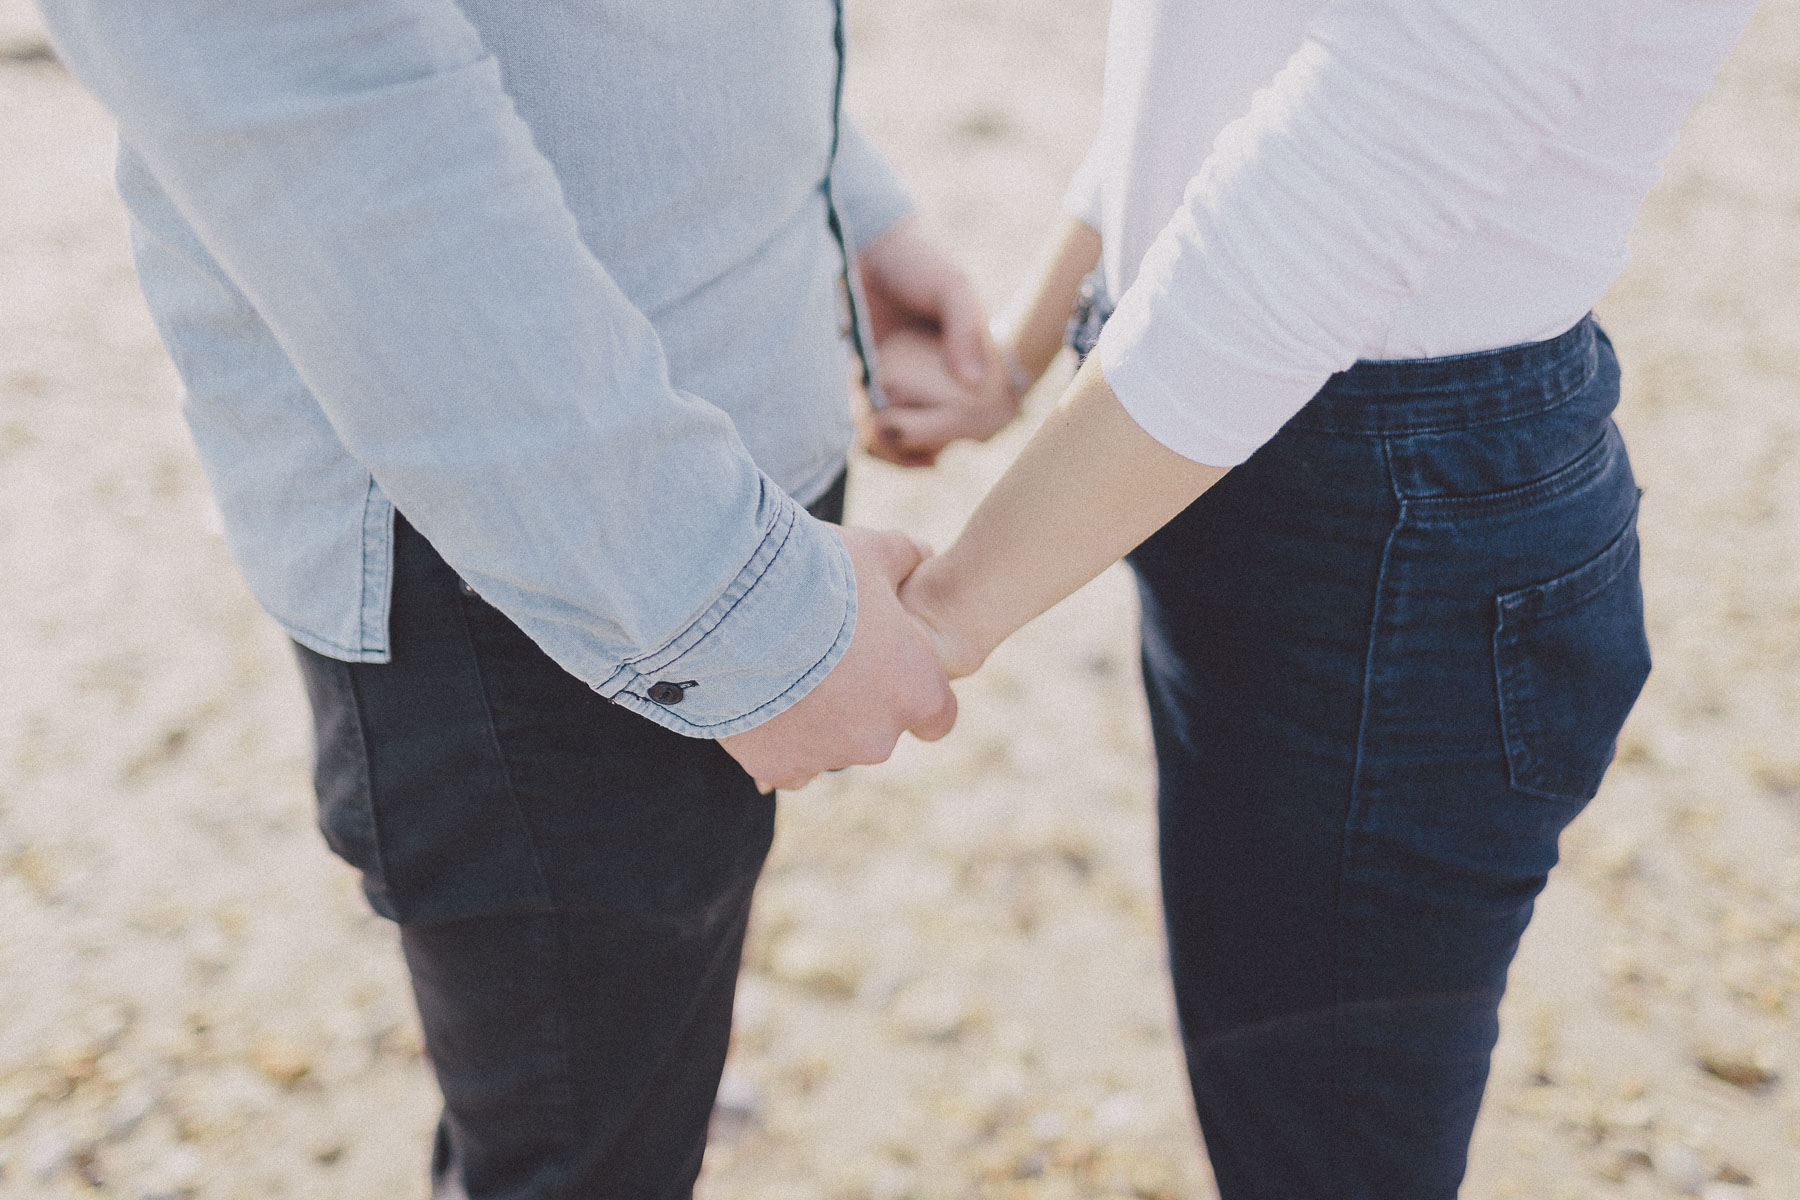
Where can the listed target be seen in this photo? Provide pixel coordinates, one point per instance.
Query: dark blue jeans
(1386, 659)
(571, 883)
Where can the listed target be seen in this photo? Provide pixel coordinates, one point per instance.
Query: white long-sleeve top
(1285, 187)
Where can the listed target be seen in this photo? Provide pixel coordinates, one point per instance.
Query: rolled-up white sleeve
(1368, 157)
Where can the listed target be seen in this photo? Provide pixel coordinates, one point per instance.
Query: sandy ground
(955, 983)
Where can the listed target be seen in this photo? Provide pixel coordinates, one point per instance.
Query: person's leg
(1386, 660)
(572, 884)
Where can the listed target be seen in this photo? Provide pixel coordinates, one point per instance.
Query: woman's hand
(1089, 486)
(930, 595)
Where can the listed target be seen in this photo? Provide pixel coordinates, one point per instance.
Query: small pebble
(738, 1095)
(132, 1106)
(735, 1106)
(1727, 1191)
(807, 961)
(1744, 1071)
(1681, 1167)
(1117, 1114)
(25, 48)
(929, 1010)
(178, 1172)
(281, 1061)
(49, 1155)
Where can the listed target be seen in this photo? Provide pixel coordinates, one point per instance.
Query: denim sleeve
(869, 196)
(358, 173)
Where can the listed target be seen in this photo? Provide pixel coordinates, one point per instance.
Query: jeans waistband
(1417, 395)
(1459, 391)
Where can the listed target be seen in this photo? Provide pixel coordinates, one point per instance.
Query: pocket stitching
(1609, 564)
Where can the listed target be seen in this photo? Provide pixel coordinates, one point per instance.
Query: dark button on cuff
(667, 693)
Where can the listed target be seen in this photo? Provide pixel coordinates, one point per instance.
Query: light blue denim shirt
(560, 281)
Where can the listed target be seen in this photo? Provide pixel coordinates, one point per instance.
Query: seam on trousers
(565, 1067)
(558, 941)
(733, 965)
(1353, 809)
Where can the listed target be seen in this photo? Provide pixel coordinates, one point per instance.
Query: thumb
(903, 556)
(891, 555)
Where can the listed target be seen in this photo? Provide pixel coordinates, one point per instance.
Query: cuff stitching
(643, 665)
(849, 616)
(633, 669)
(768, 565)
(665, 715)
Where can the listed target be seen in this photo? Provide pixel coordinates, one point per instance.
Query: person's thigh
(571, 882)
(1383, 672)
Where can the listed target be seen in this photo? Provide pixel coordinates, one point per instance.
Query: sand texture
(955, 985)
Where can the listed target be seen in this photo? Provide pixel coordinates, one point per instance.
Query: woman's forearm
(1033, 324)
(1088, 488)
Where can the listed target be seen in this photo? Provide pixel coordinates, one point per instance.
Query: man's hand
(943, 377)
(887, 683)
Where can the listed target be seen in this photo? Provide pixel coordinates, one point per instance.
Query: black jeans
(571, 883)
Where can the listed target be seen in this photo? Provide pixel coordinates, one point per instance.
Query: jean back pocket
(1570, 657)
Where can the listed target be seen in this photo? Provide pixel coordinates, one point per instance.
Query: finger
(966, 340)
(898, 556)
(925, 430)
(888, 449)
(924, 551)
(942, 717)
(917, 376)
(896, 448)
(792, 781)
(899, 457)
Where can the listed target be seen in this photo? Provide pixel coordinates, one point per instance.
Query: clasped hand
(943, 376)
(944, 380)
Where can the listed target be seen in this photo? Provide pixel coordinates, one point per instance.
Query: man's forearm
(364, 184)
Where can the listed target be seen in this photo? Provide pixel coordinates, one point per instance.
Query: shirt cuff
(775, 632)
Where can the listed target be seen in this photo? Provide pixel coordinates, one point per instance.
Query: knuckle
(932, 702)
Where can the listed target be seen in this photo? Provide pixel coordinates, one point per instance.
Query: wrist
(933, 595)
(1018, 378)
